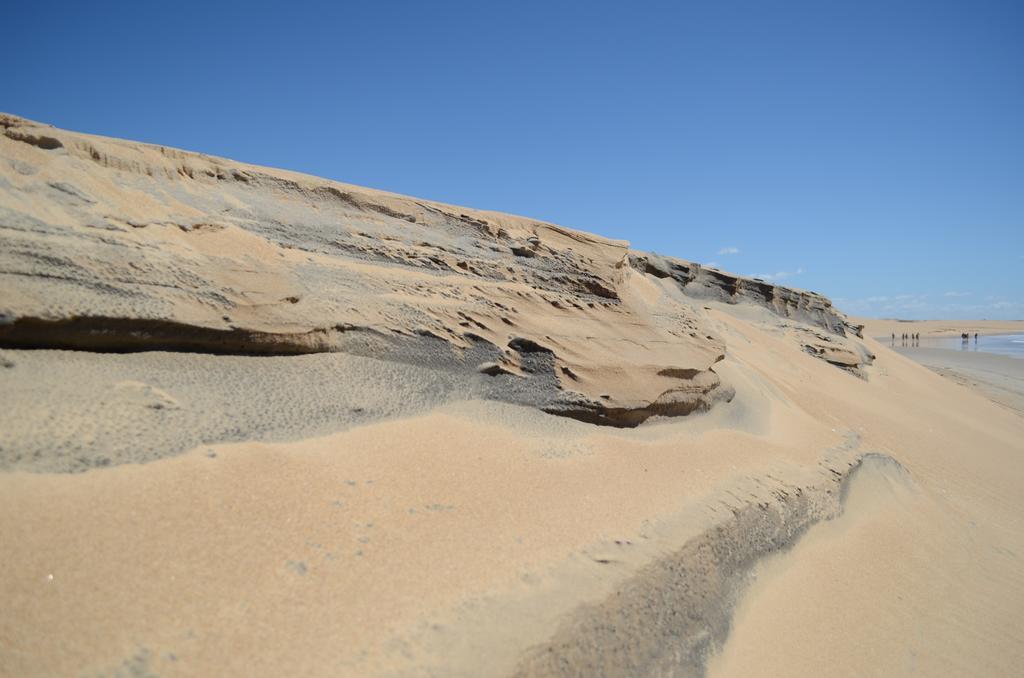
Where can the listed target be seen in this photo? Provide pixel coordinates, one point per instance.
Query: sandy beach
(999, 376)
(257, 423)
(883, 328)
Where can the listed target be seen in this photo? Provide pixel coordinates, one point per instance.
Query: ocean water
(1003, 344)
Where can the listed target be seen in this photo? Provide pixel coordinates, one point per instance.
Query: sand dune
(260, 423)
(118, 246)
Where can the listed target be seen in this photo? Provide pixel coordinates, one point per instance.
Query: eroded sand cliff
(117, 246)
(256, 422)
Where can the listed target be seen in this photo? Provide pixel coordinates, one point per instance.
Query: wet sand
(998, 377)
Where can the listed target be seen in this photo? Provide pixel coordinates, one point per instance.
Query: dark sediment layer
(129, 335)
(673, 614)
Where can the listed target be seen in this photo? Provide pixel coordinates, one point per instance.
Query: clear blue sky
(870, 150)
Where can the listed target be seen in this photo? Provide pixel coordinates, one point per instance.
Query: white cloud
(957, 294)
(728, 250)
(939, 306)
(779, 275)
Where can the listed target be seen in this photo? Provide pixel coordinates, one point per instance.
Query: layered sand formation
(260, 423)
(116, 246)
